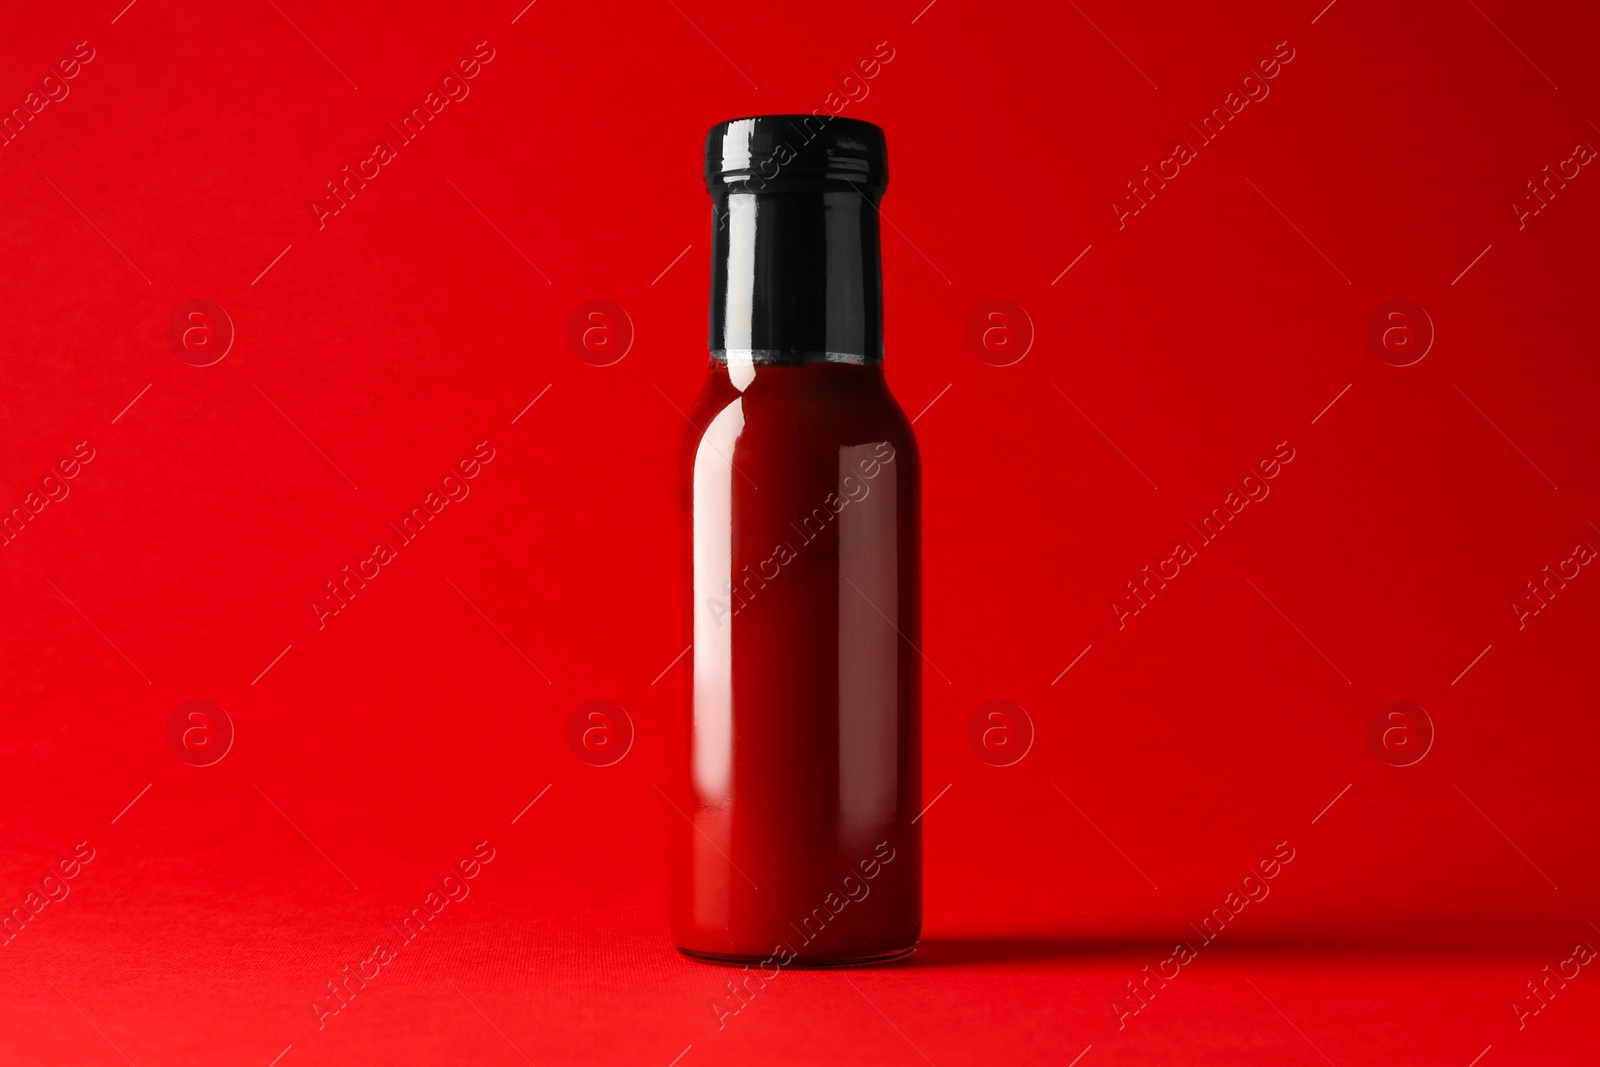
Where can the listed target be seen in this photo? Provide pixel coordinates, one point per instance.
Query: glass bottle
(801, 522)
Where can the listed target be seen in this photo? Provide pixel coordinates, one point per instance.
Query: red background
(378, 350)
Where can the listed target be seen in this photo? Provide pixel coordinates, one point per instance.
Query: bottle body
(801, 520)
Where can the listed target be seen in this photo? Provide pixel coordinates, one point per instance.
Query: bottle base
(822, 962)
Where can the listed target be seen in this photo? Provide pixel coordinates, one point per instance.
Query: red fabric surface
(1173, 349)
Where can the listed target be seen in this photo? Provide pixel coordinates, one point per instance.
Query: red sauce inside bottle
(801, 515)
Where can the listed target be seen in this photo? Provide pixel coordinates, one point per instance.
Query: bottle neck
(795, 275)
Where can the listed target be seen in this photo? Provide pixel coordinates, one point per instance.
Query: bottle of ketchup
(803, 600)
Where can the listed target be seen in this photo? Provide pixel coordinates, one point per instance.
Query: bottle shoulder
(825, 404)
